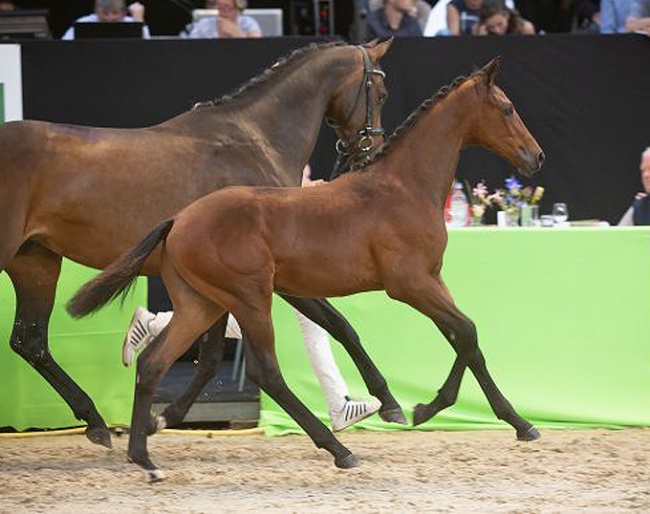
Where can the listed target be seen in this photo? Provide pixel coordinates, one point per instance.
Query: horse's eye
(508, 111)
(381, 98)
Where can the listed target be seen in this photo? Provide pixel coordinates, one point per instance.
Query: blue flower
(513, 184)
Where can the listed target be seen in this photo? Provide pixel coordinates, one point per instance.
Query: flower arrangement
(510, 200)
(479, 201)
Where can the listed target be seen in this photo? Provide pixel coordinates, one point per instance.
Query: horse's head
(355, 109)
(499, 128)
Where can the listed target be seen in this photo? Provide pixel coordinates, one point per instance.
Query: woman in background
(497, 19)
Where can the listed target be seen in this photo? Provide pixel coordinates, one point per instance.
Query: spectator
(420, 12)
(639, 211)
(639, 20)
(7, 5)
(395, 18)
(497, 19)
(229, 23)
(613, 15)
(112, 11)
(462, 15)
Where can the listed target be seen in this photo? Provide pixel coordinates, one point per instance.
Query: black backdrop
(585, 98)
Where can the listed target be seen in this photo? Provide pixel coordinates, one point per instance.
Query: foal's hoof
(152, 476)
(347, 462)
(156, 424)
(529, 435)
(99, 435)
(161, 423)
(395, 415)
(420, 414)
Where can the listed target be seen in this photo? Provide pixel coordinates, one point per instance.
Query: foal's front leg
(323, 313)
(431, 297)
(262, 368)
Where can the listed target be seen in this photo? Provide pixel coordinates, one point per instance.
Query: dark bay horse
(379, 228)
(88, 194)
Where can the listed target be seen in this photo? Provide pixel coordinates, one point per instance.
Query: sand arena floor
(597, 471)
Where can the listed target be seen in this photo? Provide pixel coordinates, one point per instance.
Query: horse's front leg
(431, 297)
(34, 274)
(324, 314)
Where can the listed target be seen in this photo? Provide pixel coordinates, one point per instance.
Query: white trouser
(318, 349)
(162, 319)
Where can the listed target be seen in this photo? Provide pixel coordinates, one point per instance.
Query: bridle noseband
(366, 141)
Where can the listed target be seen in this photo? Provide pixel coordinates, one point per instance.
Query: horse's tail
(119, 277)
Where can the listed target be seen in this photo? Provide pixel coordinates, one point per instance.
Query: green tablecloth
(88, 350)
(562, 314)
(563, 317)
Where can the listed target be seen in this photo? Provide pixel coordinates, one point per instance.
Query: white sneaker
(353, 411)
(138, 335)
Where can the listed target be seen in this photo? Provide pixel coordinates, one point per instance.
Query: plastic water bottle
(459, 213)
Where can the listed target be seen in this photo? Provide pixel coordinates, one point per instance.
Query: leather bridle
(366, 142)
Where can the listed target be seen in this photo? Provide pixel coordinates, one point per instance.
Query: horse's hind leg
(432, 298)
(323, 313)
(262, 367)
(34, 273)
(210, 356)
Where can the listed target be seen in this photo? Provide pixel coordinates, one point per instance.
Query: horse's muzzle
(531, 163)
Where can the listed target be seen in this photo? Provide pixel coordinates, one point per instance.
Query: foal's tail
(119, 277)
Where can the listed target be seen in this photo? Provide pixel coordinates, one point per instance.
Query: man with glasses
(228, 23)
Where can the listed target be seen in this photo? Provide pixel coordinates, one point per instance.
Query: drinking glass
(560, 213)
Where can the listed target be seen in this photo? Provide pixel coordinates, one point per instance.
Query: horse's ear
(372, 44)
(380, 49)
(491, 70)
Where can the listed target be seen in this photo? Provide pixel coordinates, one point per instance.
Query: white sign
(11, 84)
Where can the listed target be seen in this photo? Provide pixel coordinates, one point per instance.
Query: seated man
(420, 11)
(229, 23)
(394, 19)
(639, 211)
(639, 20)
(614, 15)
(112, 11)
(462, 15)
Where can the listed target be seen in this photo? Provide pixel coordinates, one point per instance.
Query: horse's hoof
(152, 476)
(99, 435)
(420, 414)
(529, 435)
(347, 462)
(395, 415)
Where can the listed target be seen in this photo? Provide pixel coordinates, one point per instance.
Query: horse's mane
(282, 64)
(406, 125)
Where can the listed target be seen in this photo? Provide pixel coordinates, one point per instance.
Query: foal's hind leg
(323, 313)
(210, 357)
(432, 298)
(262, 367)
(188, 323)
(34, 273)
